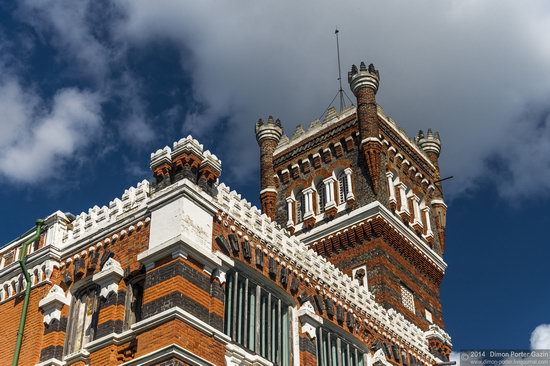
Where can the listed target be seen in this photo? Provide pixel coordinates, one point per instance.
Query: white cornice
(361, 214)
(272, 237)
(181, 188)
(180, 314)
(166, 353)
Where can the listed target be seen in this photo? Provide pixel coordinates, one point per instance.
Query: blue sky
(88, 89)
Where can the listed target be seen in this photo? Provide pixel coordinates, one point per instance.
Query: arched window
(300, 207)
(83, 319)
(134, 301)
(343, 187)
(321, 199)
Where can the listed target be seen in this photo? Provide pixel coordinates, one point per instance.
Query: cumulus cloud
(37, 137)
(67, 24)
(465, 68)
(540, 338)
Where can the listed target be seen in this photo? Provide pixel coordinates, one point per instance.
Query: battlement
(187, 159)
(315, 267)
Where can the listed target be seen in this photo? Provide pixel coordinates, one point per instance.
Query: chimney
(364, 85)
(268, 135)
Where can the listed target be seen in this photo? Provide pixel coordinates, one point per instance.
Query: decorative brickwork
(347, 249)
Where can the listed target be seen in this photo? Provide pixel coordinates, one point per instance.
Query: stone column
(391, 187)
(404, 211)
(350, 195)
(330, 204)
(290, 211)
(429, 233)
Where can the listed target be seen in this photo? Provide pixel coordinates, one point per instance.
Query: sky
(88, 89)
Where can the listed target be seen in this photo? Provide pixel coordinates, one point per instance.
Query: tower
(268, 135)
(364, 85)
(358, 191)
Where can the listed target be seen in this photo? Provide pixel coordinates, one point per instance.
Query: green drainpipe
(23, 266)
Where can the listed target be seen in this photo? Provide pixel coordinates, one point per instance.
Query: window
(134, 301)
(257, 319)
(83, 319)
(429, 316)
(321, 200)
(335, 351)
(343, 188)
(407, 298)
(300, 207)
(360, 275)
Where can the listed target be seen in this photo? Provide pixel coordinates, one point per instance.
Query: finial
(363, 67)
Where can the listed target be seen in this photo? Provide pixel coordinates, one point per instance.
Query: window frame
(239, 328)
(343, 188)
(136, 281)
(72, 326)
(331, 352)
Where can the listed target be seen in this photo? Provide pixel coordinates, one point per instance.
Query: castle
(342, 266)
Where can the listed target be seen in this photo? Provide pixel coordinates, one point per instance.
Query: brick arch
(300, 182)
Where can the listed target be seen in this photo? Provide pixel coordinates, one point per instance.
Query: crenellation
(317, 267)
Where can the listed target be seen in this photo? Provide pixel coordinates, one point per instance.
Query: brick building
(342, 268)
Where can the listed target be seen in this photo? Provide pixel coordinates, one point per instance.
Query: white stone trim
(369, 139)
(51, 362)
(429, 231)
(294, 249)
(329, 192)
(161, 354)
(236, 355)
(268, 189)
(108, 277)
(310, 321)
(308, 198)
(393, 197)
(180, 314)
(363, 213)
(348, 173)
(52, 304)
(438, 202)
(290, 211)
(416, 210)
(404, 206)
(378, 359)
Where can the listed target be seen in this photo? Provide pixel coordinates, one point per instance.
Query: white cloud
(540, 338)
(455, 356)
(466, 68)
(68, 23)
(37, 137)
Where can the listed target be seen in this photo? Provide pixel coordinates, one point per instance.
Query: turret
(364, 85)
(268, 135)
(430, 143)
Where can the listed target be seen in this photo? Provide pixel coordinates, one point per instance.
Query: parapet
(187, 159)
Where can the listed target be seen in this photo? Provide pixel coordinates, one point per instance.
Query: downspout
(25, 309)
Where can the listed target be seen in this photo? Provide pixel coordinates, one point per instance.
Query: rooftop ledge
(361, 214)
(317, 126)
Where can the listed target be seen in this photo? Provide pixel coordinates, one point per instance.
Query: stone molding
(309, 320)
(292, 249)
(108, 277)
(238, 356)
(53, 302)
